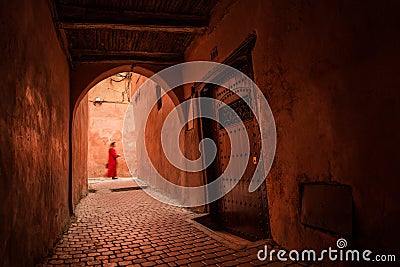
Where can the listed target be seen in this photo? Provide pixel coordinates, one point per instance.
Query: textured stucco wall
(34, 117)
(80, 151)
(106, 124)
(329, 72)
(150, 151)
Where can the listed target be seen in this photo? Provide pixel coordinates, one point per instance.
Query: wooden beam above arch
(87, 55)
(150, 32)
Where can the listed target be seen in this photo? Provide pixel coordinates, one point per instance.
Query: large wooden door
(240, 212)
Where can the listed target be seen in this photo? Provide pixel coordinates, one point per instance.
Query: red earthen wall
(149, 128)
(79, 151)
(34, 118)
(329, 74)
(106, 123)
(150, 153)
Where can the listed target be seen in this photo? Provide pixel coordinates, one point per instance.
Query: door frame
(235, 59)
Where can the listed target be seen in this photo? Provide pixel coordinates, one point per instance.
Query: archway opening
(108, 102)
(103, 114)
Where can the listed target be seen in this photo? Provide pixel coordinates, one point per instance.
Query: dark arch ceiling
(135, 31)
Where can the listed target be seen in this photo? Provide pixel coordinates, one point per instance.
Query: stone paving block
(195, 264)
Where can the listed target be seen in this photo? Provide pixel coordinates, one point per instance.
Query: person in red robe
(112, 161)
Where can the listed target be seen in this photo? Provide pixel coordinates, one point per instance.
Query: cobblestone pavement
(126, 227)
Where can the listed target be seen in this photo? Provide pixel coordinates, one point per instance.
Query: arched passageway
(328, 71)
(83, 135)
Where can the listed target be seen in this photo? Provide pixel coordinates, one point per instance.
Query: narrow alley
(254, 124)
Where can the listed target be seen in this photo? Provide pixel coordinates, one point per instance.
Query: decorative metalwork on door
(239, 107)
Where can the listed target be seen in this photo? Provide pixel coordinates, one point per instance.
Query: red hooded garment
(112, 162)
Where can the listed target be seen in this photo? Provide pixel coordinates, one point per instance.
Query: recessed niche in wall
(327, 207)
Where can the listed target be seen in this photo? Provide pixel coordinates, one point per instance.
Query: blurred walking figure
(112, 161)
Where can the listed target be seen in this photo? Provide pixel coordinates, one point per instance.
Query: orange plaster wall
(34, 123)
(106, 125)
(79, 151)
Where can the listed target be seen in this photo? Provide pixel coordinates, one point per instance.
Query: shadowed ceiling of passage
(152, 32)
